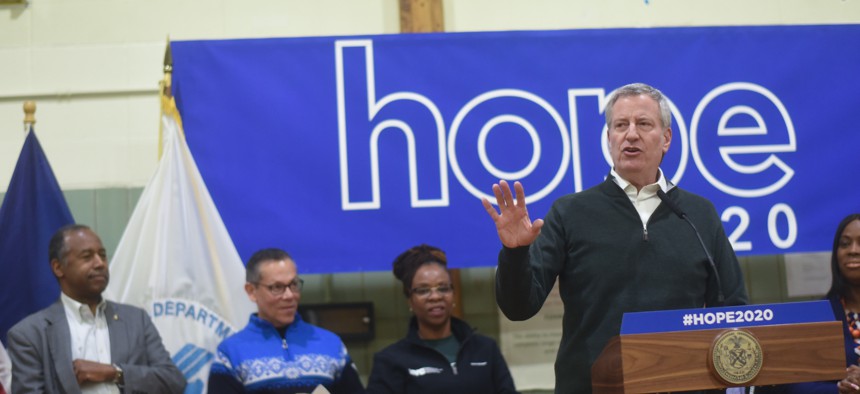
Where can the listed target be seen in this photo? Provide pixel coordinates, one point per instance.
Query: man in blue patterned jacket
(277, 352)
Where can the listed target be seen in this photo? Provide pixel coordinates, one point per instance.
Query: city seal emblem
(736, 357)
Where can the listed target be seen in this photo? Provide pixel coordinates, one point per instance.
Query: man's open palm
(513, 224)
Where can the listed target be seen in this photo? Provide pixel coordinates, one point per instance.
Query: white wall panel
(94, 65)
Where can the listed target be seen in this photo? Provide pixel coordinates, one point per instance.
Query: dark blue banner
(726, 317)
(345, 151)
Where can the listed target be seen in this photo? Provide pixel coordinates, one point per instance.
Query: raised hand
(513, 224)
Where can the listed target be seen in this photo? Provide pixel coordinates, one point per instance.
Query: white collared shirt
(90, 339)
(5, 369)
(646, 200)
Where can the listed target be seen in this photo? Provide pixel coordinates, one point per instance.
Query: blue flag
(33, 209)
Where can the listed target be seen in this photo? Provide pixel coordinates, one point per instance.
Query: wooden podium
(795, 349)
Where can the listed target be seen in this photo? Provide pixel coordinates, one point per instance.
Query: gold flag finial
(168, 104)
(168, 58)
(29, 115)
(166, 83)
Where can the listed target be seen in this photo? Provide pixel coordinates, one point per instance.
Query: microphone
(675, 208)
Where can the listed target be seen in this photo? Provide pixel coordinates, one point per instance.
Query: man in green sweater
(615, 248)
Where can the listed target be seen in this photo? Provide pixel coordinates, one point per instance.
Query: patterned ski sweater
(258, 360)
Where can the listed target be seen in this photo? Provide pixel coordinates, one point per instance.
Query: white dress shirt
(5, 369)
(646, 200)
(90, 339)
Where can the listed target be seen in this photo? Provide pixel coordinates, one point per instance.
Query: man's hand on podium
(851, 383)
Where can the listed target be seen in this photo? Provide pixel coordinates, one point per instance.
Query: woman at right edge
(844, 297)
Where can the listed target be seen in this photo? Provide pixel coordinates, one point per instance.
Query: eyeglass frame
(295, 287)
(430, 289)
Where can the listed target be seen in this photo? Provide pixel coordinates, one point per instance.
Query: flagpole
(29, 115)
(166, 93)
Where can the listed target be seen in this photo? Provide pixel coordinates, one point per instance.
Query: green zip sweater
(608, 264)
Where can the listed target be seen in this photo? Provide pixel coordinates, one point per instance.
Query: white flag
(177, 261)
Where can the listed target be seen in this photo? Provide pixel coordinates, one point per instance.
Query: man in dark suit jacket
(47, 347)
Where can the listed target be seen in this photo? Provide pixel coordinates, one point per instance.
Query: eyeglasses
(425, 291)
(279, 288)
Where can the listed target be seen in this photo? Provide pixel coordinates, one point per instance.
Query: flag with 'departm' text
(177, 261)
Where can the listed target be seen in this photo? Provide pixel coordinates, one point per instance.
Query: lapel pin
(115, 317)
